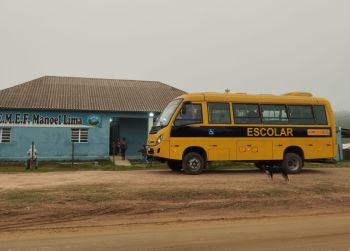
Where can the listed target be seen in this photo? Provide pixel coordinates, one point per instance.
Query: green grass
(343, 163)
(225, 165)
(26, 196)
(106, 165)
(109, 192)
(53, 166)
(102, 193)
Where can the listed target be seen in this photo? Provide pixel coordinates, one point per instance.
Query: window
(274, 114)
(168, 112)
(5, 135)
(189, 114)
(301, 114)
(320, 115)
(246, 114)
(80, 135)
(219, 113)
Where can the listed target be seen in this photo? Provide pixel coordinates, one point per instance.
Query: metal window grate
(5, 135)
(80, 135)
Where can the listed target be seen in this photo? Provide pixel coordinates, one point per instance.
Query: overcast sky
(254, 46)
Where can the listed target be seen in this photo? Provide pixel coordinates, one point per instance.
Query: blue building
(57, 112)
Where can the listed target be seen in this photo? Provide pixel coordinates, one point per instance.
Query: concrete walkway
(118, 161)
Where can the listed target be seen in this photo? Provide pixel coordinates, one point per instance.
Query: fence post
(72, 154)
(113, 152)
(32, 156)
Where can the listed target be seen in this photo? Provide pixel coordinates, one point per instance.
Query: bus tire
(193, 163)
(292, 162)
(174, 165)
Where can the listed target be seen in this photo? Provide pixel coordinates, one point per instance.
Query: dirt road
(164, 210)
(327, 232)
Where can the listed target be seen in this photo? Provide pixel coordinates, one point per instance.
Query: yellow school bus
(285, 130)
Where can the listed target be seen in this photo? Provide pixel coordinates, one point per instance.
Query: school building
(58, 112)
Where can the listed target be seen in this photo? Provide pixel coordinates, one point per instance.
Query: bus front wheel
(292, 162)
(193, 163)
(174, 165)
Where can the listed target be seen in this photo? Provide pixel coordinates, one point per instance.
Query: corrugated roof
(92, 94)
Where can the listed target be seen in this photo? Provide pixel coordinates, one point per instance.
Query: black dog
(271, 169)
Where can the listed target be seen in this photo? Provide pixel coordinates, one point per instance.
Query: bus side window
(274, 114)
(189, 114)
(219, 113)
(320, 115)
(246, 114)
(301, 114)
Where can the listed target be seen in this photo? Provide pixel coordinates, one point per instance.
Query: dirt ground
(179, 211)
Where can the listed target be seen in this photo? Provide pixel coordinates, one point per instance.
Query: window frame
(325, 113)
(312, 113)
(2, 135)
(229, 110)
(80, 136)
(197, 122)
(279, 122)
(234, 116)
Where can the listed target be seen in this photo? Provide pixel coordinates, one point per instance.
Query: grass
(99, 193)
(102, 193)
(343, 163)
(225, 165)
(106, 165)
(26, 196)
(54, 166)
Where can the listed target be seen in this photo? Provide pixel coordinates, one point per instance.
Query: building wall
(135, 131)
(53, 141)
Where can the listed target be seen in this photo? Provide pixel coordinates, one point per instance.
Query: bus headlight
(159, 140)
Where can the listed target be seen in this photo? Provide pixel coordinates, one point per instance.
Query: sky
(252, 46)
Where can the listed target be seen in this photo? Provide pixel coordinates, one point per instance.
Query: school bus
(284, 130)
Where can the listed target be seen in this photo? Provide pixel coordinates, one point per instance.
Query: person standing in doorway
(123, 147)
(117, 146)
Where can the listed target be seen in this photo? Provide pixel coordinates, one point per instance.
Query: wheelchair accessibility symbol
(211, 132)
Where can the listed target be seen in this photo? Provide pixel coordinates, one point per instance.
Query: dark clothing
(123, 147)
(117, 147)
(123, 153)
(143, 152)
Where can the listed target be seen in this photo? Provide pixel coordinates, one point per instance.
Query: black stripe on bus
(248, 131)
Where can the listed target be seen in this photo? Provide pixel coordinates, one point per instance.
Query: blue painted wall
(135, 132)
(54, 142)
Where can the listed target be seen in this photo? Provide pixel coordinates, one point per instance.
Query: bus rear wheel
(174, 165)
(193, 163)
(292, 162)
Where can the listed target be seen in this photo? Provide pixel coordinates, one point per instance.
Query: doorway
(114, 133)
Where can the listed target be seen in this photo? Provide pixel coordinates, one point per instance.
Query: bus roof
(292, 97)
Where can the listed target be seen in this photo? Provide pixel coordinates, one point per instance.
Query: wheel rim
(293, 164)
(194, 164)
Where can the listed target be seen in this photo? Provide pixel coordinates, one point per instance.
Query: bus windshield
(164, 118)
